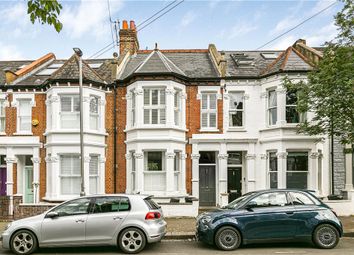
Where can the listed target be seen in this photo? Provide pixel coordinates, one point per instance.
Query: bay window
(154, 174)
(69, 111)
(236, 109)
(93, 174)
(297, 170)
(94, 113)
(273, 170)
(272, 107)
(70, 177)
(154, 106)
(2, 116)
(208, 111)
(291, 113)
(24, 115)
(177, 107)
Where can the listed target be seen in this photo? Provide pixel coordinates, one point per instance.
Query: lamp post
(78, 52)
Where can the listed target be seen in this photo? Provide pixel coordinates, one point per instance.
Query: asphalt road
(345, 247)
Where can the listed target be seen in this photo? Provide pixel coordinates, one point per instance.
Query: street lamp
(78, 52)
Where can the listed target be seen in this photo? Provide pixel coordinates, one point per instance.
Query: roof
(13, 66)
(192, 64)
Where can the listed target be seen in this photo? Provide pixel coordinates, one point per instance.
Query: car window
(111, 204)
(151, 204)
(269, 200)
(238, 201)
(301, 199)
(75, 207)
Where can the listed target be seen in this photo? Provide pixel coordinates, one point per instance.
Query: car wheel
(227, 238)
(23, 242)
(132, 240)
(326, 236)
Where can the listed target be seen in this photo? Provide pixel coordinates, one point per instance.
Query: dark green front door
(207, 186)
(234, 185)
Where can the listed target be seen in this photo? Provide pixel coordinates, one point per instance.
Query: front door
(2, 181)
(234, 176)
(207, 186)
(28, 184)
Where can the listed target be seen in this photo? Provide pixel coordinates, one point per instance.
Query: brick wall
(27, 210)
(10, 118)
(4, 207)
(109, 141)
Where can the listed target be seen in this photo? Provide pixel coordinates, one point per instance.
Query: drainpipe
(115, 167)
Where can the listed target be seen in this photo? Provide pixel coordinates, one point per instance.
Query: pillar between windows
(349, 170)
(10, 160)
(251, 175)
(282, 169)
(36, 163)
(195, 174)
(222, 157)
(170, 157)
(183, 174)
(313, 174)
(139, 180)
(129, 188)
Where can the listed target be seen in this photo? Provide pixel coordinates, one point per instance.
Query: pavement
(183, 228)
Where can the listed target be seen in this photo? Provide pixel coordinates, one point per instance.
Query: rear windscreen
(151, 204)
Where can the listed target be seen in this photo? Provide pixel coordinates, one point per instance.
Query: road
(345, 247)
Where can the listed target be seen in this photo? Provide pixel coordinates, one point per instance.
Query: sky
(230, 25)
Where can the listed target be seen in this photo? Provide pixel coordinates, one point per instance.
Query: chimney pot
(125, 24)
(132, 25)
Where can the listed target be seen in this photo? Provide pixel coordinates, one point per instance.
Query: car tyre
(23, 242)
(132, 240)
(228, 238)
(326, 236)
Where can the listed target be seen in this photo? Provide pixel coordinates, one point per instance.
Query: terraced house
(194, 128)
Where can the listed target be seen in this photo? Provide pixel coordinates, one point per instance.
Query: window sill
(152, 127)
(75, 131)
(236, 129)
(209, 130)
(2, 133)
(23, 133)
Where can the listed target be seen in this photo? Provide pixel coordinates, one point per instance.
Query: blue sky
(230, 25)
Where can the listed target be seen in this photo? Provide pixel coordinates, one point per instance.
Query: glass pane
(162, 97)
(93, 185)
(2, 124)
(207, 157)
(162, 116)
(296, 180)
(78, 206)
(94, 122)
(124, 204)
(236, 100)
(235, 119)
(273, 161)
(25, 108)
(93, 165)
(291, 115)
(93, 105)
(297, 161)
(204, 120)
(212, 120)
(212, 101)
(272, 98)
(273, 180)
(234, 158)
(65, 102)
(154, 161)
(70, 120)
(272, 116)
(2, 107)
(25, 123)
(204, 101)
(76, 103)
(291, 98)
(106, 205)
(301, 199)
(146, 97)
(146, 116)
(154, 97)
(270, 199)
(154, 116)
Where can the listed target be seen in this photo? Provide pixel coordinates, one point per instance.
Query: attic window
(95, 65)
(20, 67)
(269, 55)
(56, 66)
(242, 60)
(47, 71)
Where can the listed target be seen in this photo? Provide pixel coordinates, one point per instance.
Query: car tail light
(152, 216)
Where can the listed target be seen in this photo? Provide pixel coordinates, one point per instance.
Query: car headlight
(206, 219)
(7, 226)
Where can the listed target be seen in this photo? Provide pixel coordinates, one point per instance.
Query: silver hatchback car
(129, 221)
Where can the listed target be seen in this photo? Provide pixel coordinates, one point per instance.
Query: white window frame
(177, 170)
(96, 176)
(2, 116)
(150, 107)
(272, 171)
(19, 129)
(71, 175)
(208, 111)
(177, 107)
(132, 109)
(97, 115)
(160, 184)
(235, 110)
(302, 116)
(298, 170)
(71, 112)
(270, 108)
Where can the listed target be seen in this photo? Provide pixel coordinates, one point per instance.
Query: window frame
(96, 176)
(19, 115)
(177, 107)
(97, 115)
(307, 171)
(270, 108)
(301, 116)
(236, 110)
(72, 109)
(208, 111)
(272, 171)
(132, 109)
(2, 115)
(71, 175)
(151, 107)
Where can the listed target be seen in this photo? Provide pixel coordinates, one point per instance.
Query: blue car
(270, 216)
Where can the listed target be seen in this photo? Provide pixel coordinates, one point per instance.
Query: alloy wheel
(23, 242)
(132, 240)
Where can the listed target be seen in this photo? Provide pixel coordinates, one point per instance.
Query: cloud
(241, 28)
(188, 18)
(9, 52)
(88, 17)
(319, 37)
(283, 43)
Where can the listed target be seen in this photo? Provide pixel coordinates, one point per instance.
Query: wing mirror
(52, 215)
(250, 206)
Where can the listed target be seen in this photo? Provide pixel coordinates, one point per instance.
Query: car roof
(143, 196)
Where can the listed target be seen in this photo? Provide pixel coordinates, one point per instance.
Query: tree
(329, 91)
(46, 12)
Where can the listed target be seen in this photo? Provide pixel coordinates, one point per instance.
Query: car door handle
(117, 218)
(80, 221)
(289, 213)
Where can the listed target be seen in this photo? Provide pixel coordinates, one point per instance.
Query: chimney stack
(128, 39)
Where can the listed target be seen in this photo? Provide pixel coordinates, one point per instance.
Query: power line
(311, 17)
(155, 14)
(105, 47)
(112, 47)
(161, 15)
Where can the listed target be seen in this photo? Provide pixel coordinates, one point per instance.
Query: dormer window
(154, 106)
